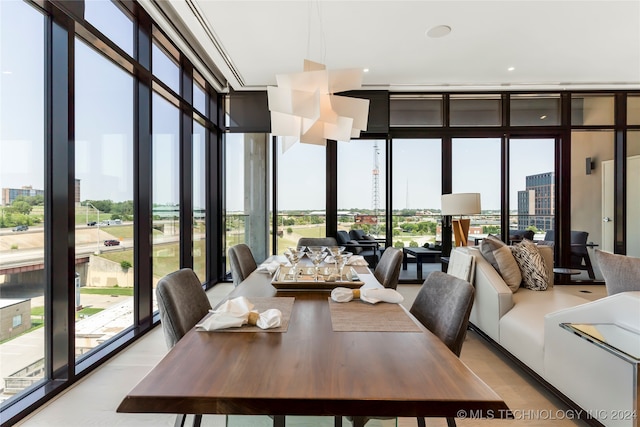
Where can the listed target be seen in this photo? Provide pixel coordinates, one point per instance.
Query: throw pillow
(508, 268)
(498, 254)
(531, 263)
(620, 272)
(487, 246)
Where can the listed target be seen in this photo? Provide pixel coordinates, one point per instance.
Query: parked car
(92, 223)
(112, 242)
(20, 228)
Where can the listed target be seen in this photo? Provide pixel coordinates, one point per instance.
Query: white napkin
(239, 311)
(269, 267)
(357, 260)
(371, 296)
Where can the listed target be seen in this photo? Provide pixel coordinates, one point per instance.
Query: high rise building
(536, 204)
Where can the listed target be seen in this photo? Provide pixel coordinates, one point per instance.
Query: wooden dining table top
(312, 370)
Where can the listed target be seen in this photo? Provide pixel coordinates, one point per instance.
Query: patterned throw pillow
(531, 263)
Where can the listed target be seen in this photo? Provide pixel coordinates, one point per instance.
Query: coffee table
(421, 255)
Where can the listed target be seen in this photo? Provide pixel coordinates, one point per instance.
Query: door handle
(606, 219)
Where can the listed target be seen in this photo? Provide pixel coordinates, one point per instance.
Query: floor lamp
(460, 204)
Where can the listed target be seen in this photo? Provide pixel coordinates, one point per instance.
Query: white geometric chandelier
(304, 106)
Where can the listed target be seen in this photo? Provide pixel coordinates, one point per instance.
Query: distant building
(10, 194)
(15, 317)
(536, 204)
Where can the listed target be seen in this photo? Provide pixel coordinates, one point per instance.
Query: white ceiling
(551, 44)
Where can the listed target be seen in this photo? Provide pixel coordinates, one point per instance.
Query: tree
(22, 207)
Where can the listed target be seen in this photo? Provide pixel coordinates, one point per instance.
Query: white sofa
(527, 325)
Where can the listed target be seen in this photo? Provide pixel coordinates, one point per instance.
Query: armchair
(369, 250)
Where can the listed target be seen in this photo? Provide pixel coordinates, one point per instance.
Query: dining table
(327, 359)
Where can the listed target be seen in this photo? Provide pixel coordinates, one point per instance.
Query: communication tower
(375, 191)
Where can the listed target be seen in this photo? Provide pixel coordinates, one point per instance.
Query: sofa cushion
(498, 254)
(532, 265)
(522, 327)
(620, 272)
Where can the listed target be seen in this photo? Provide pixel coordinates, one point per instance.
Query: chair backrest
(317, 241)
(443, 306)
(388, 269)
(242, 262)
(357, 234)
(579, 242)
(620, 272)
(182, 303)
(342, 237)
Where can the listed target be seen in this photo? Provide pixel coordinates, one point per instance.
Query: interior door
(607, 206)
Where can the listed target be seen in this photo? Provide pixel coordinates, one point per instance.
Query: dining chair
(443, 306)
(242, 262)
(182, 303)
(317, 241)
(388, 269)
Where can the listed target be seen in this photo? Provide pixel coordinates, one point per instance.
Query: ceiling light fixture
(304, 106)
(511, 68)
(438, 31)
(542, 117)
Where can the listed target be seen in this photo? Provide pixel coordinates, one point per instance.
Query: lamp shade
(461, 204)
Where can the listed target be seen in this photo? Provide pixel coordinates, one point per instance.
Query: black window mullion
(59, 199)
(186, 169)
(143, 301)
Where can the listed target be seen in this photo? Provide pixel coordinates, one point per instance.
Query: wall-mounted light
(590, 165)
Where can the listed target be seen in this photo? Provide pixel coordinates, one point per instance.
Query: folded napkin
(269, 267)
(357, 260)
(371, 296)
(237, 312)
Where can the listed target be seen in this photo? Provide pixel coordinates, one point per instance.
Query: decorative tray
(304, 278)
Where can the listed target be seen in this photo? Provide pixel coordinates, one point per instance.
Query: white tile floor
(93, 401)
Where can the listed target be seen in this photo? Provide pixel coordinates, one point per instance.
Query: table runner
(284, 304)
(359, 316)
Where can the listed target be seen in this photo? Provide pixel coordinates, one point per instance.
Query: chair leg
(337, 421)
(197, 420)
(278, 421)
(451, 422)
(421, 422)
(180, 419)
(587, 262)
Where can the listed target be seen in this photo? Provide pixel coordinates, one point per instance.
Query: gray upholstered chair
(443, 306)
(317, 241)
(242, 262)
(182, 303)
(388, 269)
(620, 272)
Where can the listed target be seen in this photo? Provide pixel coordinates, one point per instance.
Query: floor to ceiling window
(199, 201)
(104, 199)
(301, 193)
(166, 187)
(476, 169)
(532, 186)
(22, 214)
(417, 188)
(361, 186)
(633, 177)
(247, 192)
(592, 182)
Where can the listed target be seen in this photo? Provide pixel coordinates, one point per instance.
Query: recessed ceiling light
(511, 68)
(543, 117)
(365, 70)
(438, 31)
(7, 72)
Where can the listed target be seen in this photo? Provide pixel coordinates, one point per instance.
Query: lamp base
(461, 230)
